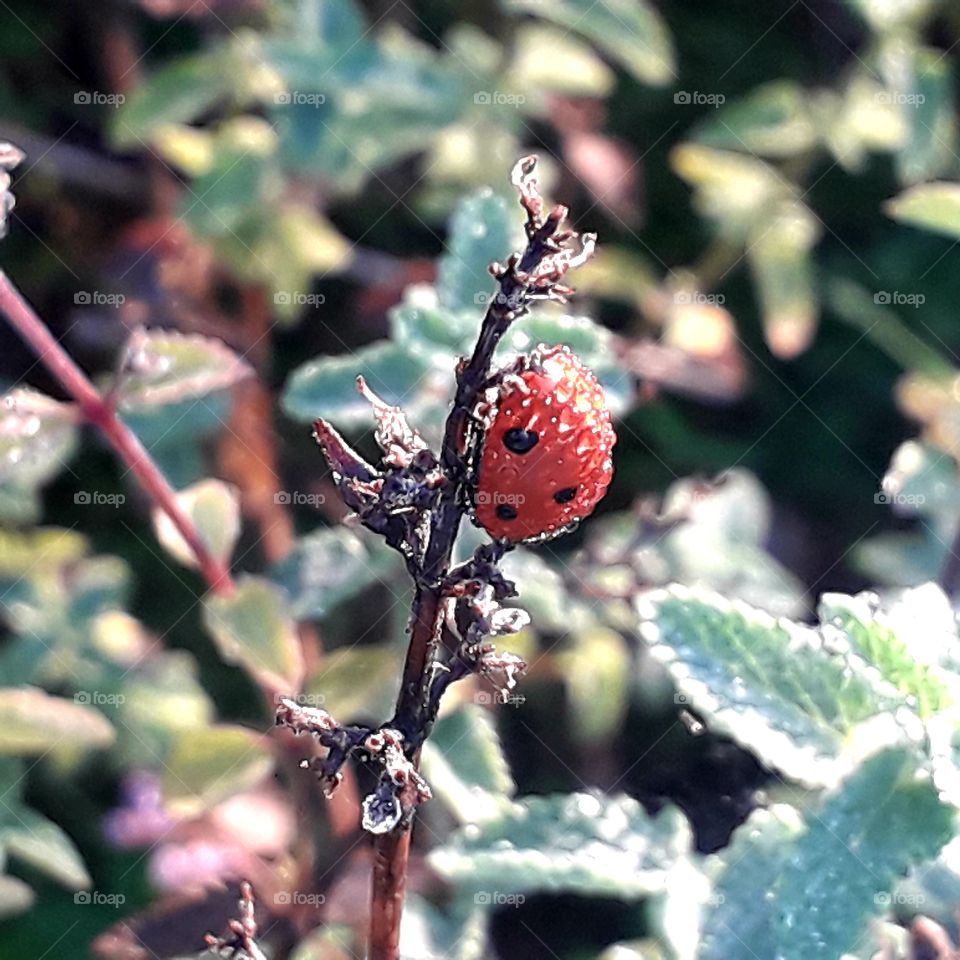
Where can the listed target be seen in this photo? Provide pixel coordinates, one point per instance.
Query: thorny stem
(516, 286)
(101, 414)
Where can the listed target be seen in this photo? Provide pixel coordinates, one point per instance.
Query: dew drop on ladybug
(545, 461)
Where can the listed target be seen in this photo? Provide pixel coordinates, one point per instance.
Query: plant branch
(102, 415)
(535, 274)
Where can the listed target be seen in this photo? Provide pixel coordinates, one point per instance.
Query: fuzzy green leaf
(329, 566)
(777, 687)
(252, 628)
(630, 32)
(326, 387)
(576, 843)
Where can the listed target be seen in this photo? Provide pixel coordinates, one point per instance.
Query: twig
(101, 414)
(535, 274)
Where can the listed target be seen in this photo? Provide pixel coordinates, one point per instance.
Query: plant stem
(515, 284)
(102, 415)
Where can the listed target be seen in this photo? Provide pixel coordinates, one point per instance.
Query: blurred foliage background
(288, 192)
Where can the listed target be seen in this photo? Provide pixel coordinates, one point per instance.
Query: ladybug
(545, 460)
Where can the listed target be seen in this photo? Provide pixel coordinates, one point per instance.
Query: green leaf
(15, 896)
(580, 843)
(465, 766)
(933, 889)
(326, 387)
(166, 367)
(912, 642)
(428, 934)
(737, 915)
(865, 834)
(38, 436)
(356, 683)
(329, 566)
(535, 47)
(720, 546)
(43, 550)
(163, 698)
(924, 87)
(427, 330)
(779, 257)
(37, 841)
(177, 93)
(778, 688)
(772, 120)
(930, 206)
(209, 765)
(252, 629)
(482, 230)
(630, 32)
(214, 508)
(33, 722)
(737, 192)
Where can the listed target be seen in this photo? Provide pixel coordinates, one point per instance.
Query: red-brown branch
(101, 414)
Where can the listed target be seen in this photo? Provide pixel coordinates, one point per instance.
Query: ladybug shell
(545, 461)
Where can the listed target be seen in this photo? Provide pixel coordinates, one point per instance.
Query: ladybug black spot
(565, 495)
(520, 441)
(506, 512)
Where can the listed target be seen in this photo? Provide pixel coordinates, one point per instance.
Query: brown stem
(102, 415)
(517, 282)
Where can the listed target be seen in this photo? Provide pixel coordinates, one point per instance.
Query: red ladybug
(545, 461)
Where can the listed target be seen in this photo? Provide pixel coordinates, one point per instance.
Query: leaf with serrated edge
(328, 567)
(578, 843)
(37, 437)
(775, 686)
(163, 366)
(464, 764)
(810, 890)
(326, 387)
(911, 641)
(482, 230)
